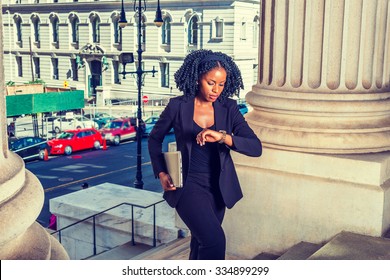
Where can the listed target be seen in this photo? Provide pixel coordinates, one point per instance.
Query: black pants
(202, 209)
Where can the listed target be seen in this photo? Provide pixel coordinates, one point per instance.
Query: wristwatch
(222, 141)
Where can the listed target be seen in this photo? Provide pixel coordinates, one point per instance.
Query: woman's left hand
(208, 135)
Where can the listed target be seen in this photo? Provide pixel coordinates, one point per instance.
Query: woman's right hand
(166, 182)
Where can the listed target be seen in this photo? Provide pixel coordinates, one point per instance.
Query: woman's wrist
(223, 137)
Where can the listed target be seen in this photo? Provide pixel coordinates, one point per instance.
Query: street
(65, 174)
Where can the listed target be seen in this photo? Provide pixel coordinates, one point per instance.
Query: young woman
(207, 125)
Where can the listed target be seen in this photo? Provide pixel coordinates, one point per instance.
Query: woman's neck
(202, 102)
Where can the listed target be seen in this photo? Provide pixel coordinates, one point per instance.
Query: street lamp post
(128, 58)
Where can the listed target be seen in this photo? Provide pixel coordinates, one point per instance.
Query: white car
(73, 122)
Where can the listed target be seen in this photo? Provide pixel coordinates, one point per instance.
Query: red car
(76, 140)
(118, 130)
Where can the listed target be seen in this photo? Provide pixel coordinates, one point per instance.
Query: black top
(204, 159)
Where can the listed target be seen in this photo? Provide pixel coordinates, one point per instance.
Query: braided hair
(198, 63)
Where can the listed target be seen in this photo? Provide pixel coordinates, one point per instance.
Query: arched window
(166, 31)
(74, 22)
(54, 28)
(193, 31)
(255, 34)
(95, 23)
(217, 28)
(36, 23)
(117, 31)
(243, 30)
(143, 31)
(18, 26)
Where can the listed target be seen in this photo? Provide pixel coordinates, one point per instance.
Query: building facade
(77, 44)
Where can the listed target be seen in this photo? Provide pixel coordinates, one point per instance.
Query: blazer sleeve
(156, 138)
(245, 140)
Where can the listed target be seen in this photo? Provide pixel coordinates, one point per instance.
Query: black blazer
(179, 115)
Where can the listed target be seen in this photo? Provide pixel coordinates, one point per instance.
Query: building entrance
(95, 79)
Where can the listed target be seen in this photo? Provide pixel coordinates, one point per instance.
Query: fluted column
(324, 76)
(21, 200)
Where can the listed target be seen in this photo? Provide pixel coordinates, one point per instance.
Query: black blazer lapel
(220, 117)
(187, 113)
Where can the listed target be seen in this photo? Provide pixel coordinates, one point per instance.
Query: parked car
(242, 108)
(73, 140)
(100, 118)
(149, 124)
(73, 122)
(119, 130)
(29, 148)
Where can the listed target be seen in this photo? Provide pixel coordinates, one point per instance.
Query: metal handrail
(132, 223)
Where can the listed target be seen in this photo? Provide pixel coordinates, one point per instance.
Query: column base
(291, 197)
(332, 123)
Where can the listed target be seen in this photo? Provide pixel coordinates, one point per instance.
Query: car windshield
(102, 115)
(65, 135)
(150, 120)
(113, 125)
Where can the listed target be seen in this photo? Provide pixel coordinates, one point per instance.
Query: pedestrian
(207, 125)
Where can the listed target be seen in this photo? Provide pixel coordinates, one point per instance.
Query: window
(115, 65)
(36, 26)
(117, 31)
(143, 32)
(255, 32)
(164, 74)
(75, 29)
(193, 31)
(142, 65)
(243, 31)
(255, 73)
(166, 31)
(95, 29)
(18, 25)
(55, 29)
(54, 64)
(217, 28)
(19, 62)
(74, 69)
(37, 68)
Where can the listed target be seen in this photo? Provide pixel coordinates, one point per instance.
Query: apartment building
(77, 44)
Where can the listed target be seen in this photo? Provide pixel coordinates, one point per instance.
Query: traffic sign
(145, 99)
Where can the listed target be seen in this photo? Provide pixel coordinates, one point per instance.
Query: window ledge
(166, 47)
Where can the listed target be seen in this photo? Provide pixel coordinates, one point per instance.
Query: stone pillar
(322, 110)
(21, 200)
(324, 80)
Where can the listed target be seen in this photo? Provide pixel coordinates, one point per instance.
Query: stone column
(322, 110)
(21, 200)
(324, 76)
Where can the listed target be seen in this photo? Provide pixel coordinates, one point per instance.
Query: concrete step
(174, 250)
(352, 246)
(126, 251)
(178, 249)
(300, 251)
(266, 256)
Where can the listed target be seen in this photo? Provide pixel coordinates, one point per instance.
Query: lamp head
(126, 57)
(122, 21)
(158, 21)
